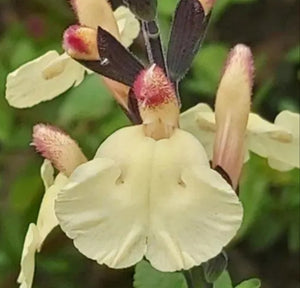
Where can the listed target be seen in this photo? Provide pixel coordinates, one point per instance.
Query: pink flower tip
(72, 40)
(44, 137)
(152, 87)
(58, 147)
(241, 55)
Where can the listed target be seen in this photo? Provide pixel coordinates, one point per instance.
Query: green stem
(189, 278)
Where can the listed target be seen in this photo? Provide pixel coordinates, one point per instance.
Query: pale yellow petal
(94, 13)
(200, 121)
(28, 256)
(47, 220)
(42, 79)
(145, 197)
(279, 142)
(47, 173)
(279, 165)
(129, 26)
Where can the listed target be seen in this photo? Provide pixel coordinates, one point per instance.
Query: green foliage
(90, 102)
(252, 283)
(224, 281)
(207, 69)
(147, 277)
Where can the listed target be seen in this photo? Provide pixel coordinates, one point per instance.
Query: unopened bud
(207, 5)
(157, 103)
(81, 43)
(232, 111)
(94, 13)
(58, 147)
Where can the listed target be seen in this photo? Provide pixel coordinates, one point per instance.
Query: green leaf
(91, 100)
(294, 55)
(23, 52)
(224, 281)
(147, 277)
(167, 8)
(252, 193)
(252, 283)
(26, 186)
(207, 68)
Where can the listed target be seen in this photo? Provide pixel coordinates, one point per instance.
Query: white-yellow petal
(141, 197)
(42, 79)
(47, 220)
(47, 173)
(28, 256)
(37, 233)
(200, 121)
(278, 142)
(128, 25)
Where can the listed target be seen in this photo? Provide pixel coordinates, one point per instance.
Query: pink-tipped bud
(207, 5)
(232, 110)
(94, 13)
(58, 147)
(157, 103)
(81, 43)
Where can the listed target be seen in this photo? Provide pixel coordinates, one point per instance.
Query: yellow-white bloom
(279, 142)
(46, 221)
(141, 197)
(52, 74)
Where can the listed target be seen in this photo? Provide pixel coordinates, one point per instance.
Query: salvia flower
(52, 74)
(150, 190)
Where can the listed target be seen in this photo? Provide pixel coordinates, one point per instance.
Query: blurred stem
(189, 278)
(198, 278)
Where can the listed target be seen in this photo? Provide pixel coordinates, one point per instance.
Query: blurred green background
(268, 243)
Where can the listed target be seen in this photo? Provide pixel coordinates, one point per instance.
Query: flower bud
(58, 147)
(157, 103)
(232, 110)
(94, 13)
(81, 43)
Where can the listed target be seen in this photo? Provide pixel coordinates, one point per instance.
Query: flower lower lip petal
(155, 202)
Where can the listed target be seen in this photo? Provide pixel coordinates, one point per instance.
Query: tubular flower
(52, 74)
(150, 191)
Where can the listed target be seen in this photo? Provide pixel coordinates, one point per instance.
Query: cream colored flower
(46, 221)
(52, 74)
(279, 142)
(150, 192)
(141, 197)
